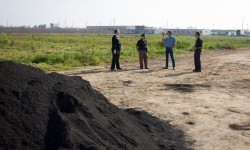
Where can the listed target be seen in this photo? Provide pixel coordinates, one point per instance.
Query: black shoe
(173, 68)
(165, 68)
(119, 68)
(112, 70)
(196, 70)
(146, 68)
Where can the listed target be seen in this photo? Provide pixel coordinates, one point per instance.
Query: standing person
(143, 51)
(197, 52)
(169, 43)
(116, 50)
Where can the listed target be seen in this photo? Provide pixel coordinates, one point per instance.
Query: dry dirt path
(211, 107)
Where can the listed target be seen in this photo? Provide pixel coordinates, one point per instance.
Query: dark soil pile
(53, 111)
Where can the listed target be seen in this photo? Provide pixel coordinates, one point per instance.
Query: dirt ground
(211, 107)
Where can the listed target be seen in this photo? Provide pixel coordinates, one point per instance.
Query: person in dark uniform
(116, 50)
(143, 51)
(197, 52)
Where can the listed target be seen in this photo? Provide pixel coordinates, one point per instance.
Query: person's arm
(137, 46)
(195, 46)
(163, 36)
(175, 42)
(114, 45)
(163, 39)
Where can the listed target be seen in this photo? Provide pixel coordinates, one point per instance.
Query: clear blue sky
(224, 14)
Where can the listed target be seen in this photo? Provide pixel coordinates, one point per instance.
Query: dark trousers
(115, 60)
(169, 51)
(197, 59)
(143, 56)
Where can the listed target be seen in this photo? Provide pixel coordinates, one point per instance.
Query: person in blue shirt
(169, 43)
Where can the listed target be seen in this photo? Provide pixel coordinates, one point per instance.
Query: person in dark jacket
(143, 51)
(197, 52)
(116, 50)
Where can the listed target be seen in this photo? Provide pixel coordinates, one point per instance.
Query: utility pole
(7, 23)
(242, 23)
(114, 23)
(65, 23)
(58, 22)
(167, 24)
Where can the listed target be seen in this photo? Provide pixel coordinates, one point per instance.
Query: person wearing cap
(116, 50)
(143, 51)
(169, 43)
(197, 52)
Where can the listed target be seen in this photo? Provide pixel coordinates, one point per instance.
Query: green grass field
(55, 52)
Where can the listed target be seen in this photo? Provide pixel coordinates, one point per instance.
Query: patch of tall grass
(55, 52)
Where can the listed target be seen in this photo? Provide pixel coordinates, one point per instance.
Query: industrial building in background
(152, 30)
(124, 30)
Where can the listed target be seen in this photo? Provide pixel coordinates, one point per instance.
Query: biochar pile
(53, 111)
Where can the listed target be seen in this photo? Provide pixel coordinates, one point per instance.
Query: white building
(231, 33)
(206, 32)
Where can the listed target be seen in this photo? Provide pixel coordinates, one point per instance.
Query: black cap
(198, 33)
(142, 34)
(116, 30)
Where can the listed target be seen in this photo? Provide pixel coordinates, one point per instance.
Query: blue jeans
(170, 51)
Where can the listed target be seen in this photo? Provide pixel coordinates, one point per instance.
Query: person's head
(143, 36)
(117, 31)
(169, 33)
(197, 34)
